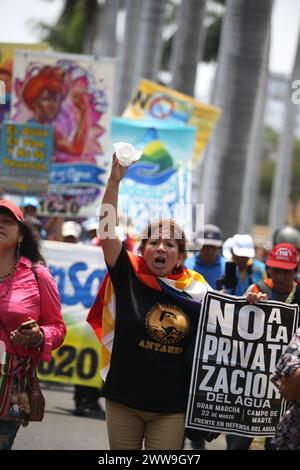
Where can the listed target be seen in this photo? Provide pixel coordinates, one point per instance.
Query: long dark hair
(30, 246)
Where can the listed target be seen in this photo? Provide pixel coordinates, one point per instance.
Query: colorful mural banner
(158, 102)
(73, 94)
(25, 159)
(160, 179)
(6, 68)
(78, 273)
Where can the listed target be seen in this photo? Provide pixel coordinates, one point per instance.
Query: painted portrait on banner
(73, 94)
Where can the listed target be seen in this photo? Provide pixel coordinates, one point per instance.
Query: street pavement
(60, 430)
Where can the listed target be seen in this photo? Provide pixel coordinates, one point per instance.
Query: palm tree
(250, 187)
(245, 32)
(149, 40)
(75, 28)
(213, 23)
(126, 56)
(282, 180)
(105, 39)
(187, 45)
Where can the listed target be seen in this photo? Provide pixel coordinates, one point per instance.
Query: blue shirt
(210, 272)
(256, 270)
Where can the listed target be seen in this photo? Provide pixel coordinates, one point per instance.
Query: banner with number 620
(78, 273)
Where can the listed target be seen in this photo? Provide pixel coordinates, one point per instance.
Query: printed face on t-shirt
(167, 324)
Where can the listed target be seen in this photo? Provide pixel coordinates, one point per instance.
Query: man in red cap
(282, 265)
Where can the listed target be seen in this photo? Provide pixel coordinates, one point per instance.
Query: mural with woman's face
(72, 94)
(47, 106)
(62, 96)
(44, 92)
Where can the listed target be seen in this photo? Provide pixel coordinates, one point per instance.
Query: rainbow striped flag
(188, 286)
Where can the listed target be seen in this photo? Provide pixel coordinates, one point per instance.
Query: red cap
(283, 256)
(15, 210)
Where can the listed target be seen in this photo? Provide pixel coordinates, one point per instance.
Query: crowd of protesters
(235, 266)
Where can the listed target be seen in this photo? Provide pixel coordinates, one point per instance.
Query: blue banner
(26, 152)
(160, 179)
(76, 174)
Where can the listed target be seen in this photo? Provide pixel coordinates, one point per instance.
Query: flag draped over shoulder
(189, 287)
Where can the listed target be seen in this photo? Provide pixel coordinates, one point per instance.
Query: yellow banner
(7, 57)
(77, 361)
(6, 71)
(162, 103)
(78, 273)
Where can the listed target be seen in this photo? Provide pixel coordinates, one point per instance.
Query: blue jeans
(8, 432)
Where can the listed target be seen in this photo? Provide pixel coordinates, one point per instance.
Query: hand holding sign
(252, 297)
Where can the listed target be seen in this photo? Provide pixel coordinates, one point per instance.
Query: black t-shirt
(154, 336)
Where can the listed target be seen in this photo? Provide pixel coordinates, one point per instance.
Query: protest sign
(73, 94)
(153, 101)
(237, 348)
(26, 152)
(6, 69)
(159, 183)
(78, 274)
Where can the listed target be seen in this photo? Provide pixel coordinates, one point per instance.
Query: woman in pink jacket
(27, 292)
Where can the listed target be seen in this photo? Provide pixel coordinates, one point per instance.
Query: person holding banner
(145, 315)
(31, 324)
(282, 264)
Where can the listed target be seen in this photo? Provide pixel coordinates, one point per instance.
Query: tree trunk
(251, 186)
(244, 35)
(127, 57)
(92, 12)
(185, 56)
(105, 42)
(149, 40)
(283, 172)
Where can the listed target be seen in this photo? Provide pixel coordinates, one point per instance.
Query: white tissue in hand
(126, 153)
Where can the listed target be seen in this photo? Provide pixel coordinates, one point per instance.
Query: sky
(16, 17)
